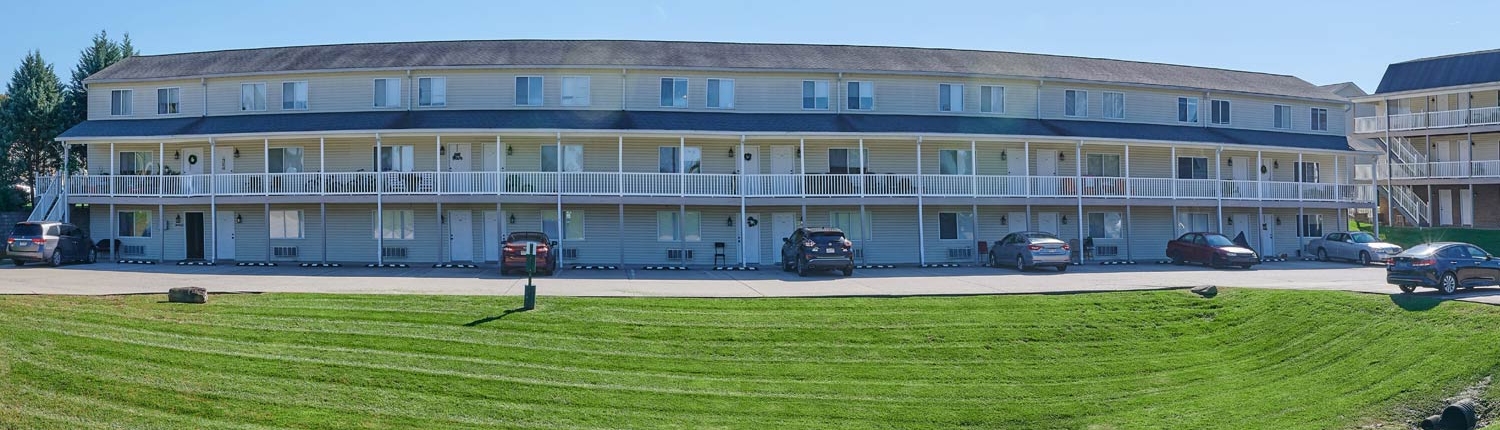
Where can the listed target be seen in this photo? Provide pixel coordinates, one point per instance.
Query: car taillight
(1066, 247)
(38, 240)
(809, 244)
(1424, 262)
(9, 240)
(1034, 247)
(848, 244)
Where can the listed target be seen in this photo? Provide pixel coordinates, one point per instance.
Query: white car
(1356, 246)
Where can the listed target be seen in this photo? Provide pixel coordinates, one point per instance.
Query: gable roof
(749, 123)
(1438, 72)
(708, 55)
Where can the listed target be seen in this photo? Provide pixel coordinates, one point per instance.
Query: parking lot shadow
(1415, 302)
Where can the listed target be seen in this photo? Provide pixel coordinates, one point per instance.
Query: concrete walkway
(111, 278)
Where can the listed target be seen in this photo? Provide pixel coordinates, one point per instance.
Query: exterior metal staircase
(1406, 162)
(49, 206)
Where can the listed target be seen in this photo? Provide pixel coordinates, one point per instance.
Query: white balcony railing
(1450, 169)
(713, 185)
(1484, 116)
(1420, 120)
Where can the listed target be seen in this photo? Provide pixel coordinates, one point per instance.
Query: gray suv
(49, 241)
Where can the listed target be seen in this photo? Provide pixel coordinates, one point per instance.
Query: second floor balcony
(629, 184)
(1428, 120)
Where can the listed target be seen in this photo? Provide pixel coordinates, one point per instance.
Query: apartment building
(1438, 119)
(687, 153)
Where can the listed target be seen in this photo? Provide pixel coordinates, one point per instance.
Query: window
(135, 223)
(1075, 103)
(575, 91)
(1106, 165)
(674, 92)
(690, 161)
(572, 158)
(667, 226)
(861, 95)
(815, 95)
(387, 92)
(955, 226)
(1283, 116)
(433, 92)
(287, 160)
(572, 225)
(854, 228)
(1319, 119)
(167, 101)
(991, 99)
(1106, 225)
(253, 97)
(528, 91)
(396, 224)
(286, 224)
(119, 102)
(137, 163)
(398, 158)
(846, 161)
(950, 97)
(1187, 109)
(955, 162)
(721, 93)
(294, 95)
(1194, 221)
(1192, 167)
(1219, 111)
(1310, 225)
(1114, 105)
(1305, 172)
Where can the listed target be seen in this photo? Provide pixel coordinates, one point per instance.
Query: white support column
(112, 174)
(323, 174)
(161, 251)
(379, 206)
(562, 224)
(213, 201)
(974, 174)
(266, 215)
(323, 225)
(437, 168)
(1300, 176)
(499, 175)
(1375, 188)
(1026, 179)
(1260, 187)
(682, 169)
(1219, 186)
(67, 212)
(114, 232)
(682, 230)
(442, 235)
(620, 170)
(1173, 182)
(1129, 224)
(621, 209)
(1260, 218)
(1078, 190)
(921, 220)
(863, 164)
(161, 169)
(802, 178)
(1338, 179)
(742, 179)
(1129, 194)
(265, 163)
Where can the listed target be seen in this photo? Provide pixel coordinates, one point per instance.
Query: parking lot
(111, 278)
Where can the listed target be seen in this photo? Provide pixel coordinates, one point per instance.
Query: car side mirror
(552, 243)
(786, 240)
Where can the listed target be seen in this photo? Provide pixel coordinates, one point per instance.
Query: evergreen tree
(29, 120)
(102, 53)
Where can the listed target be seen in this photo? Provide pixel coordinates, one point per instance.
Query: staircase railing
(1412, 207)
(49, 189)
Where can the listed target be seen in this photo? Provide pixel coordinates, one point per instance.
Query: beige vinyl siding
(105, 225)
(753, 92)
(326, 92)
(643, 246)
(1484, 99)
(1142, 105)
(143, 99)
(937, 247)
(891, 233)
(1148, 229)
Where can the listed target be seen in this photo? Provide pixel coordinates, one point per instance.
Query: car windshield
(24, 229)
(527, 237)
(825, 235)
(1363, 238)
(1035, 236)
(1218, 240)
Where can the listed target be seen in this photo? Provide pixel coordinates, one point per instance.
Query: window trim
(954, 107)
(127, 98)
(958, 231)
(1082, 112)
(418, 81)
(1312, 119)
(562, 224)
(516, 92)
(307, 104)
(988, 90)
(178, 103)
(562, 96)
(373, 94)
(827, 97)
(1119, 164)
(733, 89)
(266, 95)
(303, 151)
(1228, 111)
(1088, 219)
(1207, 167)
(150, 158)
(965, 166)
(681, 222)
(562, 161)
(301, 225)
(1302, 231)
(1103, 105)
(378, 219)
(687, 92)
(864, 159)
(1193, 110)
(1275, 117)
(864, 224)
(862, 85)
(681, 154)
(395, 151)
(133, 214)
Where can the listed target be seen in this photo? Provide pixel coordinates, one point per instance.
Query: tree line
(37, 106)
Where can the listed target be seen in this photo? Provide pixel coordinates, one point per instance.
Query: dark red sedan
(1210, 249)
(513, 252)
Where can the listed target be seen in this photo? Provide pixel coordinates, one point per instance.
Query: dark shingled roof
(1437, 72)
(694, 121)
(665, 54)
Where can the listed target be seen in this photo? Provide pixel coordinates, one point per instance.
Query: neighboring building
(1438, 119)
(667, 153)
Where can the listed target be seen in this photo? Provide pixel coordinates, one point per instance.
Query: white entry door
(224, 236)
(1015, 165)
(750, 165)
(192, 164)
(1445, 207)
(1267, 236)
(460, 159)
(752, 237)
(1466, 207)
(491, 236)
(224, 164)
(1241, 226)
(488, 159)
(1046, 162)
(1017, 222)
(461, 235)
(783, 162)
(782, 225)
(1047, 222)
(1241, 172)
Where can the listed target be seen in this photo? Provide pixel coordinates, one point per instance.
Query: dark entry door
(195, 235)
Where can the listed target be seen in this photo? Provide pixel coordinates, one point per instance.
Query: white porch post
(974, 169)
(562, 227)
(442, 237)
(1338, 180)
(213, 201)
(499, 174)
(802, 179)
(63, 193)
(682, 168)
(437, 168)
(1260, 195)
(620, 168)
(1300, 225)
(1173, 181)
(161, 252)
(1219, 186)
(743, 184)
(112, 173)
(323, 173)
(379, 206)
(1129, 254)
(265, 163)
(863, 164)
(1375, 190)
(1078, 190)
(1026, 179)
(161, 170)
(921, 220)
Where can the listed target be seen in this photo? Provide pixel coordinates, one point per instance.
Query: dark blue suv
(1446, 266)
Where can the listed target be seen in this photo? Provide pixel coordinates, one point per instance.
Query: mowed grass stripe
(1280, 359)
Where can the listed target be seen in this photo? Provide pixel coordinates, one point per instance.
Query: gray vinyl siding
(937, 247)
(1148, 228)
(891, 236)
(143, 99)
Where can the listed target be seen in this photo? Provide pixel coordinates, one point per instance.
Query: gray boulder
(187, 295)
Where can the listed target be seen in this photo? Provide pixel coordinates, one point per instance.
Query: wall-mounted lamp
(731, 152)
(729, 222)
(1065, 220)
(179, 219)
(1061, 156)
(442, 150)
(1275, 164)
(236, 153)
(512, 218)
(1278, 220)
(1004, 221)
(799, 152)
(1231, 162)
(1228, 221)
(442, 219)
(176, 155)
(239, 219)
(509, 150)
(1003, 157)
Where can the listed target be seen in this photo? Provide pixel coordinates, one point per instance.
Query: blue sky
(1321, 41)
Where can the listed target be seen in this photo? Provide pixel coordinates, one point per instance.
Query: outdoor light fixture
(442, 219)
(1061, 156)
(1065, 220)
(512, 218)
(176, 155)
(1002, 155)
(731, 152)
(1231, 162)
(799, 152)
(729, 222)
(509, 150)
(442, 150)
(1278, 220)
(1275, 164)
(236, 153)
(1228, 221)
(238, 219)
(179, 219)
(1004, 221)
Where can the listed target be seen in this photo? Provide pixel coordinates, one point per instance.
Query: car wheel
(994, 262)
(93, 256)
(1062, 268)
(1449, 283)
(785, 266)
(1364, 258)
(1176, 260)
(1020, 264)
(849, 271)
(1214, 262)
(801, 268)
(18, 262)
(1246, 266)
(1407, 288)
(1322, 254)
(57, 258)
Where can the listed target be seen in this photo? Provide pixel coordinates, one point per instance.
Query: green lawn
(1165, 359)
(1406, 236)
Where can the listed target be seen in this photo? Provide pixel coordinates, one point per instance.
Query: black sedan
(1446, 266)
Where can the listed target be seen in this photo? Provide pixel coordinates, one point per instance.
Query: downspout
(838, 100)
(411, 91)
(622, 88)
(204, 82)
(1039, 84)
